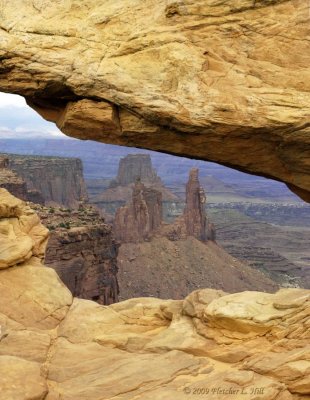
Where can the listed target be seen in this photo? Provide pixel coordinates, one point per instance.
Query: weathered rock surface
(119, 192)
(10, 181)
(195, 212)
(58, 180)
(80, 247)
(227, 82)
(140, 219)
(172, 269)
(22, 237)
(133, 167)
(82, 250)
(194, 221)
(53, 346)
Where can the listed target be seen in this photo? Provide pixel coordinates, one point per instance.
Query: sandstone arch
(220, 81)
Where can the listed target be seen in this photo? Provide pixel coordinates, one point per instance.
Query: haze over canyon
(176, 267)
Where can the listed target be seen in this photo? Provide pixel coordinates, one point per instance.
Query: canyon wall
(10, 181)
(55, 346)
(133, 167)
(59, 180)
(218, 81)
(85, 260)
(82, 250)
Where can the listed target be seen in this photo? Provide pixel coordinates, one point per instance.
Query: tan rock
(33, 296)
(10, 206)
(249, 345)
(21, 379)
(81, 371)
(15, 247)
(211, 80)
(291, 367)
(128, 328)
(194, 305)
(94, 118)
(254, 313)
(26, 344)
(21, 233)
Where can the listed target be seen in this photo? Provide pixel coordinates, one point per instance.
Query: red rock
(194, 213)
(85, 260)
(137, 221)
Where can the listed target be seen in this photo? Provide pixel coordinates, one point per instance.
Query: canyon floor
(281, 251)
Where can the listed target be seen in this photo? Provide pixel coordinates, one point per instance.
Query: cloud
(12, 100)
(17, 120)
(6, 133)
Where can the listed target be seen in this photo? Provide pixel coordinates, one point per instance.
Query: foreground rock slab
(220, 81)
(249, 345)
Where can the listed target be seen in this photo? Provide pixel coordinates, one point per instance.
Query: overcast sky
(17, 120)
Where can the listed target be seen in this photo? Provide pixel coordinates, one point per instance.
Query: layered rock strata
(82, 250)
(141, 218)
(133, 167)
(10, 181)
(55, 346)
(59, 180)
(218, 81)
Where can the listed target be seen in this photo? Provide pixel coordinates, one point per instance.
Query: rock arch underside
(226, 81)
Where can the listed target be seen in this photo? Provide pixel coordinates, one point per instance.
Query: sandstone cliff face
(82, 250)
(219, 81)
(59, 180)
(53, 346)
(10, 181)
(85, 260)
(80, 247)
(133, 167)
(141, 218)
